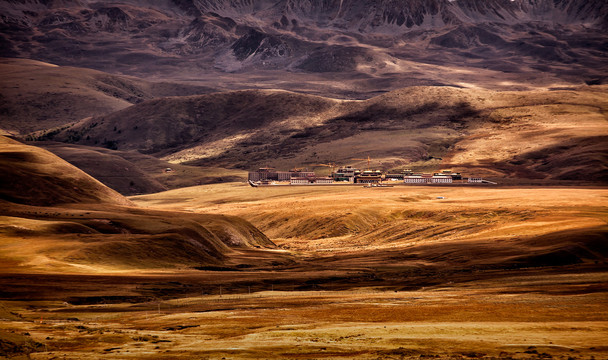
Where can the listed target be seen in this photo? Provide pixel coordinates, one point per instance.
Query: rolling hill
(547, 135)
(41, 96)
(132, 173)
(32, 176)
(55, 218)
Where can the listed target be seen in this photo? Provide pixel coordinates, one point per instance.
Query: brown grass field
(128, 127)
(393, 273)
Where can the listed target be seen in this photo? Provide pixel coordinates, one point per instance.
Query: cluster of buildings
(263, 174)
(348, 174)
(268, 176)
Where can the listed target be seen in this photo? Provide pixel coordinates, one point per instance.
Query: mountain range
(381, 44)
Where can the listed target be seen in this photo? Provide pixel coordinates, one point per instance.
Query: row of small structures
(348, 174)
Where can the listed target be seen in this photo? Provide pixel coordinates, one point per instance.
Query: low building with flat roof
(311, 180)
(441, 179)
(427, 179)
(414, 179)
(268, 173)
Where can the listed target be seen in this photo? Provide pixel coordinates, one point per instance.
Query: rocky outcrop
(370, 15)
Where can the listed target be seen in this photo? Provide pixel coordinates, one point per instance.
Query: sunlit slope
(548, 135)
(469, 227)
(55, 218)
(109, 240)
(32, 176)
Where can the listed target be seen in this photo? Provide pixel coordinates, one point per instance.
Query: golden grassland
(351, 217)
(394, 273)
(475, 320)
(367, 273)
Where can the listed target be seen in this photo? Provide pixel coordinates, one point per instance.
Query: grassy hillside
(33, 176)
(470, 227)
(543, 135)
(108, 167)
(56, 218)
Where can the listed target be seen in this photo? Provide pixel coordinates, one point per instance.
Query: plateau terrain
(128, 229)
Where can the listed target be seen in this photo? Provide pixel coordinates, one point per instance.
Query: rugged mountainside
(550, 41)
(559, 135)
(370, 15)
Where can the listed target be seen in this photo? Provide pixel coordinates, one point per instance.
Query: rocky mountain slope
(377, 41)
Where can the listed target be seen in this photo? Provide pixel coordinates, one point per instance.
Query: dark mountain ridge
(368, 16)
(194, 39)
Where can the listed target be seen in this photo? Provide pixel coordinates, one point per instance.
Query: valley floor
(392, 273)
(536, 316)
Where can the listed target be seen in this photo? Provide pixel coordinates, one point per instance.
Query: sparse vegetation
(489, 88)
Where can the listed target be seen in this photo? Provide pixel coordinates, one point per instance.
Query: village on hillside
(349, 175)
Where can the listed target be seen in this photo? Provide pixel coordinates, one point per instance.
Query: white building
(414, 179)
(475, 180)
(323, 180)
(311, 180)
(427, 179)
(299, 181)
(441, 179)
